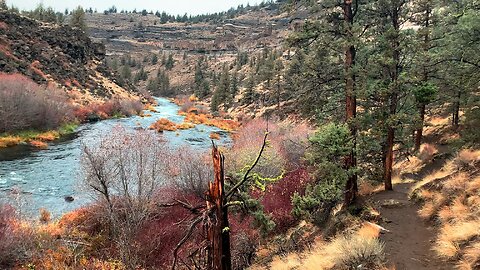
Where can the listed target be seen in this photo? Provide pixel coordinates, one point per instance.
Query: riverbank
(43, 178)
(36, 138)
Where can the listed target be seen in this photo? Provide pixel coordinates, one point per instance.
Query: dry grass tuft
(468, 156)
(355, 252)
(457, 182)
(149, 107)
(367, 188)
(431, 206)
(347, 251)
(453, 235)
(369, 230)
(446, 249)
(185, 125)
(448, 169)
(411, 165)
(473, 186)
(427, 152)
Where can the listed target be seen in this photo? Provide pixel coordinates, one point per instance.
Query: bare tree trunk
(350, 105)
(218, 232)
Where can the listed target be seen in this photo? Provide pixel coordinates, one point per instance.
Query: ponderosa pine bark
(351, 103)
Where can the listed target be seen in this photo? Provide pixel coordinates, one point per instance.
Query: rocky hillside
(245, 32)
(139, 37)
(58, 55)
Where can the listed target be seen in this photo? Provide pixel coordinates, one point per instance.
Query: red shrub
(276, 200)
(159, 237)
(243, 241)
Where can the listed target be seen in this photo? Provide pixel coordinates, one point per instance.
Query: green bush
(330, 144)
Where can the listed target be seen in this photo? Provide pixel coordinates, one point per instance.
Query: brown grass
(471, 257)
(451, 236)
(149, 107)
(427, 152)
(185, 125)
(346, 251)
(451, 195)
(468, 156)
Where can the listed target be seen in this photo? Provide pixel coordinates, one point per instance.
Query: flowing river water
(32, 179)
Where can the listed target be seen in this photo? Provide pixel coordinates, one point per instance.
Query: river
(31, 179)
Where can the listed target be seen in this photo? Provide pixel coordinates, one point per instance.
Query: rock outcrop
(59, 55)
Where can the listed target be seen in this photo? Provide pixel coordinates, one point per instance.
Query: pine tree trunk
(396, 68)
(351, 106)
(389, 159)
(419, 132)
(426, 48)
(218, 229)
(456, 111)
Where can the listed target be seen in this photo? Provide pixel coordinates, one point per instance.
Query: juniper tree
(154, 59)
(201, 87)
(78, 19)
(222, 91)
(249, 94)
(170, 62)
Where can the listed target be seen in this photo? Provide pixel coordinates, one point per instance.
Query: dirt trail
(409, 240)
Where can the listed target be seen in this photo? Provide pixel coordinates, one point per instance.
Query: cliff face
(58, 55)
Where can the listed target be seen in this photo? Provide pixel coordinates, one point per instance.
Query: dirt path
(409, 241)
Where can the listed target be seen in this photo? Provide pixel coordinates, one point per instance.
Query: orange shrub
(225, 124)
(9, 141)
(197, 119)
(214, 136)
(48, 136)
(163, 124)
(39, 144)
(185, 125)
(209, 120)
(193, 98)
(149, 107)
